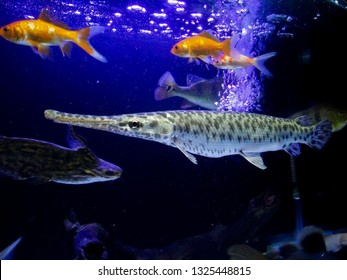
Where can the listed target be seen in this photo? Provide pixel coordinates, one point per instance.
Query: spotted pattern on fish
(210, 133)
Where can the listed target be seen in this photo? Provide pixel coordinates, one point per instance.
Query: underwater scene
(172, 129)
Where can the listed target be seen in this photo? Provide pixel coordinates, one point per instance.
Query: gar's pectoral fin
(187, 154)
(255, 159)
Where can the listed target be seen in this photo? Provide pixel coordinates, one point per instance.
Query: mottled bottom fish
(210, 133)
(40, 161)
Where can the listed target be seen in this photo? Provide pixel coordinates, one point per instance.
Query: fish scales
(210, 133)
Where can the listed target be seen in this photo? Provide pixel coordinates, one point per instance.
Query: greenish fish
(324, 111)
(212, 134)
(198, 92)
(40, 161)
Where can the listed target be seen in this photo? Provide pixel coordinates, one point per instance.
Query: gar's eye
(169, 88)
(134, 124)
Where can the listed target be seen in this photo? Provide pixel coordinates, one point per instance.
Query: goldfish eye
(176, 47)
(6, 29)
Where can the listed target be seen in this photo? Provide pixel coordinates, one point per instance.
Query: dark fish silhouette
(40, 161)
(91, 242)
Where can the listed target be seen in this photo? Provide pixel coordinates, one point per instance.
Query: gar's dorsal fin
(74, 141)
(45, 16)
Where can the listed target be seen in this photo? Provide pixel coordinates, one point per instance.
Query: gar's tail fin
(259, 62)
(321, 134)
(83, 37)
(166, 86)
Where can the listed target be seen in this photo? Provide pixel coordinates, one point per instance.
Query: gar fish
(201, 92)
(44, 32)
(211, 134)
(201, 46)
(236, 60)
(40, 161)
(320, 112)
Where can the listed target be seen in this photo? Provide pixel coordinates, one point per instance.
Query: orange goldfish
(202, 46)
(236, 60)
(44, 32)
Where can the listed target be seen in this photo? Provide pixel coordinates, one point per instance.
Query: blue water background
(162, 196)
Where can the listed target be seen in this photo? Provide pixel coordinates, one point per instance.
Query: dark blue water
(162, 197)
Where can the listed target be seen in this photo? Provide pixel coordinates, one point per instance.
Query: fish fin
(208, 34)
(70, 222)
(293, 149)
(74, 141)
(47, 17)
(166, 87)
(34, 49)
(82, 40)
(234, 53)
(255, 159)
(259, 62)
(245, 252)
(192, 59)
(8, 252)
(34, 181)
(192, 79)
(304, 120)
(66, 48)
(207, 59)
(44, 51)
(187, 104)
(226, 46)
(188, 155)
(321, 134)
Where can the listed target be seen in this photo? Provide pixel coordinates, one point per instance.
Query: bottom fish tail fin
(259, 62)
(321, 134)
(83, 41)
(166, 86)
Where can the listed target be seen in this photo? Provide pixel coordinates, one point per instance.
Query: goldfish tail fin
(259, 62)
(83, 37)
(227, 46)
(166, 86)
